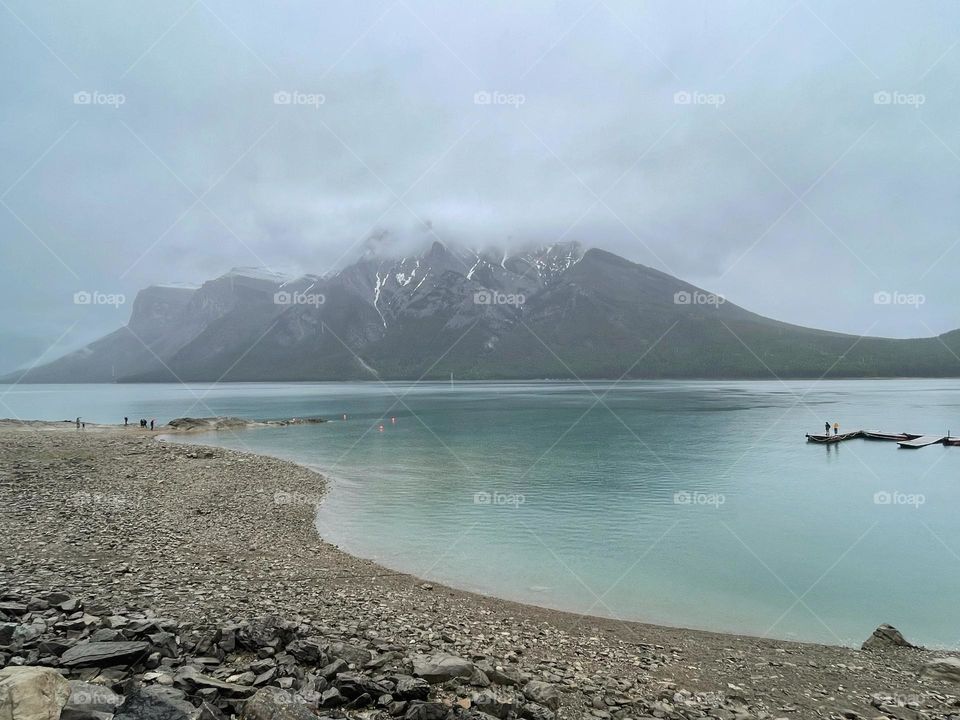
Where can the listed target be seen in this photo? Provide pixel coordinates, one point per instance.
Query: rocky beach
(148, 579)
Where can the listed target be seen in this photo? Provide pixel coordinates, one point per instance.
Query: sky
(802, 157)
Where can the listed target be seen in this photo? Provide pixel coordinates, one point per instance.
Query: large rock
(441, 667)
(410, 688)
(542, 693)
(193, 679)
(308, 651)
(353, 654)
(156, 703)
(427, 711)
(947, 668)
(883, 637)
(103, 654)
(532, 711)
(498, 704)
(272, 703)
(88, 702)
(32, 693)
(353, 685)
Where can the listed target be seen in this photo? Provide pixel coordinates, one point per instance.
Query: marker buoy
(381, 428)
(393, 420)
(344, 416)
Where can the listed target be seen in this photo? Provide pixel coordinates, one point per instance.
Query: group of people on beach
(143, 423)
(826, 428)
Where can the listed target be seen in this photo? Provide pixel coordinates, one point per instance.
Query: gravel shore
(209, 537)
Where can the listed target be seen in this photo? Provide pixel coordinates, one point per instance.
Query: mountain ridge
(554, 311)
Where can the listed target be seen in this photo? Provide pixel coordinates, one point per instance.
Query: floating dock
(825, 439)
(922, 441)
(904, 440)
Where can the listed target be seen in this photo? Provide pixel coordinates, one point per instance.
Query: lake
(696, 504)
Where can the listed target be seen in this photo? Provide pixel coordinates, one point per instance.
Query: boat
(827, 439)
(898, 437)
(952, 441)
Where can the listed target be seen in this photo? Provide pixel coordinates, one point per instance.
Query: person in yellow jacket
(836, 428)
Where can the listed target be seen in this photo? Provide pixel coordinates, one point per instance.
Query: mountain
(555, 312)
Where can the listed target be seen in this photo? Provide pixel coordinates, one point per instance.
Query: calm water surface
(687, 503)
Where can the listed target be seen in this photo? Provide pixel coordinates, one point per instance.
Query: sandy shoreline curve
(205, 534)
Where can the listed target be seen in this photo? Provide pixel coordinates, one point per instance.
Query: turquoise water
(687, 503)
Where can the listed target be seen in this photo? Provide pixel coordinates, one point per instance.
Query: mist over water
(688, 503)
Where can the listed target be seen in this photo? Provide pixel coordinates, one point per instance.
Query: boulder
(102, 654)
(90, 702)
(542, 693)
(410, 688)
(883, 637)
(192, 678)
(497, 704)
(272, 703)
(308, 651)
(947, 668)
(426, 711)
(532, 711)
(353, 685)
(32, 693)
(441, 667)
(156, 703)
(353, 654)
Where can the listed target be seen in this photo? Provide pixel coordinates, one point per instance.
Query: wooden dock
(826, 439)
(922, 441)
(904, 440)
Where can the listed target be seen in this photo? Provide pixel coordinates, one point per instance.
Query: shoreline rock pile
(82, 661)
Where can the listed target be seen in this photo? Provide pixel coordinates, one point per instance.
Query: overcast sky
(798, 157)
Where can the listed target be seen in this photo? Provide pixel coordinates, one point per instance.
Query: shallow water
(686, 503)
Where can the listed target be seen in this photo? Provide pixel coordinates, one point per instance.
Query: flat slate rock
(101, 654)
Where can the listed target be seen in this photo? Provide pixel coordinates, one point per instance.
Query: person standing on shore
(151, 424)
(78, 422)
(126, 421)
(836, 428)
